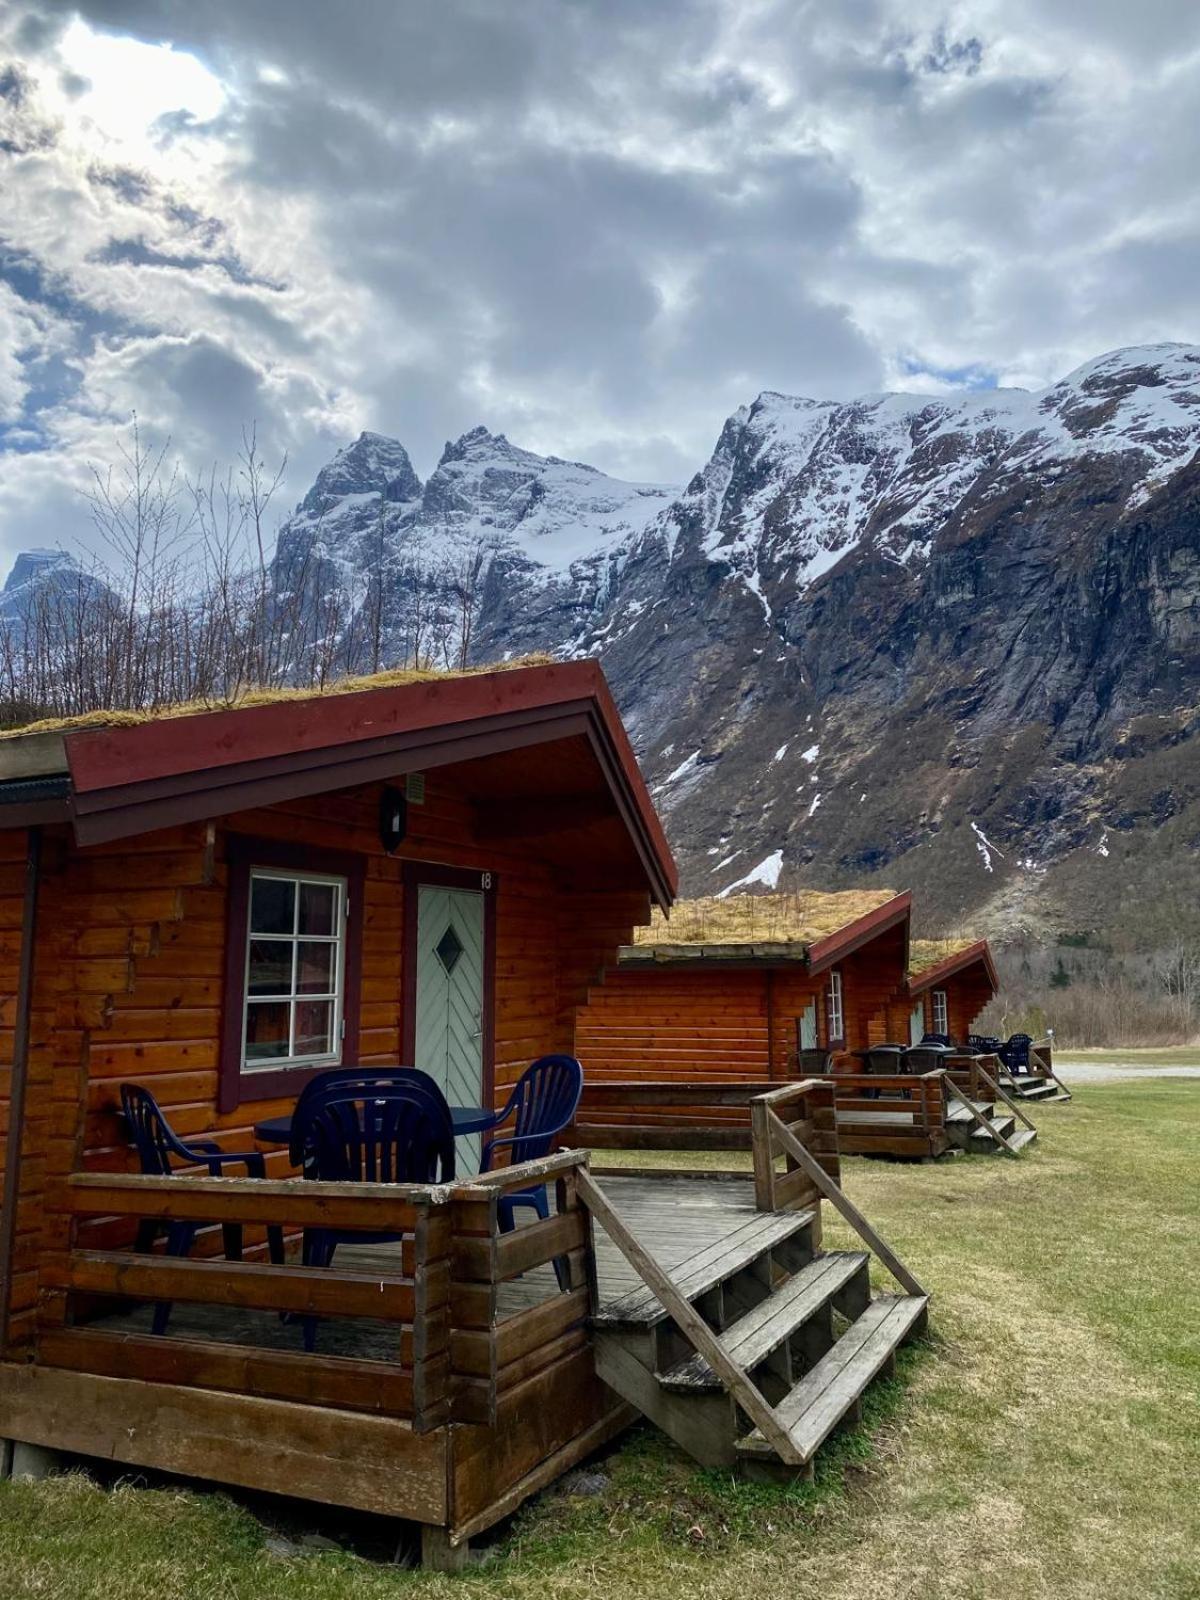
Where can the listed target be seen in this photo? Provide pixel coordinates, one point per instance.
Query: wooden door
(916, 1023)
(450, 1000)
(808, 1026)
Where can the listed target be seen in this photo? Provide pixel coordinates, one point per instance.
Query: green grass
(1044, 1442)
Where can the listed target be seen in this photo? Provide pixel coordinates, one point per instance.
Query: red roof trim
(128, 780)
(861, 931)
(980, 952)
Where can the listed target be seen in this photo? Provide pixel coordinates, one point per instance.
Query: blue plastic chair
(392, 1131)
(158, 1147)
(1015, 1054)
(937, 1038)
(360, 1081)
(543, 1103)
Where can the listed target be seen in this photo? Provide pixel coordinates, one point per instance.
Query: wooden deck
(672, 1217)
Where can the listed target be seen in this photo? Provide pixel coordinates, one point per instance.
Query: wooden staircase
(986, 1133)
(1046, 1091)
(753, 1350)
(800, 1328)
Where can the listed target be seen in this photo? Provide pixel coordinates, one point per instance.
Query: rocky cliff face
(946, 642)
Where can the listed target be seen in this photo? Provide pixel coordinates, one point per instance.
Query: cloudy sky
(596, 225)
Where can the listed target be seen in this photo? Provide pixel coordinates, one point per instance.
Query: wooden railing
(798, 1124)
(806, 1112)
(452, 1352)
(490, 1351)
(918, 1095)
(712, 1114)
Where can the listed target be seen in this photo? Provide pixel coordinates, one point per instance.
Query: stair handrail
(1013, 1105)
(1048, 1071)
(837, 1197)
(706, 1343)
(988, 1127)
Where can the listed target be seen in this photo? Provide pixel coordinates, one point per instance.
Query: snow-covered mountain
(952, 641)
(946, 641)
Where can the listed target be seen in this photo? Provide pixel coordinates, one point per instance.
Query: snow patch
(811, 754)
(816, 801)
(781, 752)
(985, 847)
(766, 872)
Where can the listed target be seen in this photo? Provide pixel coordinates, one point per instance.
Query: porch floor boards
(673, 1217)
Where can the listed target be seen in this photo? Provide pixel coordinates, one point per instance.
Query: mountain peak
(374, 464)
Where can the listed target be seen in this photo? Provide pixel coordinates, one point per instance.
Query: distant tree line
(1093, 993)
(184, 597)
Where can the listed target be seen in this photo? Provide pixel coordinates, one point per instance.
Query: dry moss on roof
(926, 953)
(801, 919)
(395, 677)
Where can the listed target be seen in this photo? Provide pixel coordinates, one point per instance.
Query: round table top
(465, 1119)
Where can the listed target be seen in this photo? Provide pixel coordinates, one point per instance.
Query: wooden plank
(352, 1459)
(646, 1137)
(358, 1385)
(319, 1291)
(185, 1197)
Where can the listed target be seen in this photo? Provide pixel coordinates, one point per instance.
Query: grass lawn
(1045, 1443)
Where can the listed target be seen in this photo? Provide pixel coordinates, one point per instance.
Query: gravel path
(1107, 1071)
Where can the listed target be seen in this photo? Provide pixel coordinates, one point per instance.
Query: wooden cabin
(950, 982)
(422, 869)
(725, 998)
(742, 987)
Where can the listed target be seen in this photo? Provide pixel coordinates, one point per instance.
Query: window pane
(270, 966)
(317, 901)
(315, 969)
(266, 1030)
(314, 1026)
(272, 905)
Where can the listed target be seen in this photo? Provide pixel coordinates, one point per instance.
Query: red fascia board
(979, 952)
(130, 780)
(108, 758)
(835, 946)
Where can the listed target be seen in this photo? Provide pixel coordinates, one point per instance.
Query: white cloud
(597, 231)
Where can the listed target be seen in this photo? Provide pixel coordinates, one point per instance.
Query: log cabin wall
(667, 1022)
(129, 978)
(967, 994)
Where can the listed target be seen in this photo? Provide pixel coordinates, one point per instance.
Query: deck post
(438, 1554)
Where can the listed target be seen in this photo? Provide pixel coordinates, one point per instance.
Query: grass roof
(926, 953)
(395, 677)
(800, 919)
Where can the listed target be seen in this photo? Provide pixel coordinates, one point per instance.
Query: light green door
(449, 1021)
(916, 1023)
(808, 1026)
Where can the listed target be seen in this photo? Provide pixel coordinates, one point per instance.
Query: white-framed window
(833, 1008)
(941, 1014)
(295, 970)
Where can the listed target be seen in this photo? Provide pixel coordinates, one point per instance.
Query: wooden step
(814, 1407)
(760, 1332)
(957, 1112)
(1002, 1125)
(1023, 1137)
(709, 1267)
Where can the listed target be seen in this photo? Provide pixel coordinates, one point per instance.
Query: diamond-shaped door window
(448, 948)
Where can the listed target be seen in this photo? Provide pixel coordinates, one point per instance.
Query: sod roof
(778, 926)
(395, 677)
(926, 953)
